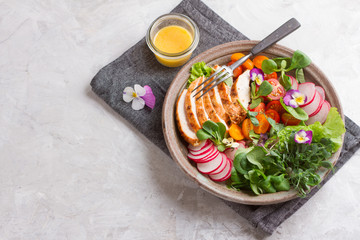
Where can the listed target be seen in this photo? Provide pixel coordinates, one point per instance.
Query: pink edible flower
(303, 136)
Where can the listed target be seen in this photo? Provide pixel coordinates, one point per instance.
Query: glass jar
(173, 19)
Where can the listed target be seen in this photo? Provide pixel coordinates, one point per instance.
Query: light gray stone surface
(71, 168)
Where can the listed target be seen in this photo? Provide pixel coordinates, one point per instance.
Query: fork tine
(209, 78)
(207, 85)
(223, 78)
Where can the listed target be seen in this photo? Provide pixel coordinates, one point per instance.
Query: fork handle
(276, 36)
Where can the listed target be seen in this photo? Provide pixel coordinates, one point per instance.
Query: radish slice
(315, 105)
(294, 83)
(210, 157)
(321, 91)
(223, 175)
(205, 156)
(199, 147)
(321, 115)
(230, 152)
(223, 164)
(308, 89)
(202, 151)
(210, 166)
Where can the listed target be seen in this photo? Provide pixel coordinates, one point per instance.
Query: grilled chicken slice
(190, 106)
(241, 89)
(235, 111)
(184, 127)
(200, 109)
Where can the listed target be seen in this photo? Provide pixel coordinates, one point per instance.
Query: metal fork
(225, 72)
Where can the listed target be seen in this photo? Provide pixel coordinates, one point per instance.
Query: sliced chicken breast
(236, 113)
(190, 106)
(241, 89)
(184, 127)
(200, 109)
(209, 108)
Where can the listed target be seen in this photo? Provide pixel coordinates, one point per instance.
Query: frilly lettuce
(197, 70)
(333, 128)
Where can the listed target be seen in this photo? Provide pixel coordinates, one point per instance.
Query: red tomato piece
(271, 75)
(275, 105)
(259, 108)
(278, 90)
(273, 114)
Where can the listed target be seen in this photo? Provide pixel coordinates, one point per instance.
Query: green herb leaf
(285, 81)
(253, 89)
(265, 89)
(299, 74)
(298, 112)
(221, 147)
(269, 66)
(280, 60)
(280, 183)
(211, 127)
(283, 64)
(222, 130)
(255, 156)
(299, 60)
(276, 126)
(203, 135)
(255, 102)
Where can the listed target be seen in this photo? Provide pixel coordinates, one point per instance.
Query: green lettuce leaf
(332, 129)
(197, 70)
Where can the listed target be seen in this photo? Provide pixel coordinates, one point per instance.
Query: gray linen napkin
(138, 65)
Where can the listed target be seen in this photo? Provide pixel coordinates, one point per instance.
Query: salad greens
(282, 162)
(265, 89)
(298, 61)
(197, 70)
(213, 131)
(298, 112)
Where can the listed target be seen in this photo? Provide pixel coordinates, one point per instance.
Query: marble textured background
(71, 168)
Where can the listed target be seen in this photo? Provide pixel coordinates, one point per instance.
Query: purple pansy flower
(140, 96)
(294, 98)
(257, 75)
(303, 136)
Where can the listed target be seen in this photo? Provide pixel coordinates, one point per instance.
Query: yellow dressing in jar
(172, 38)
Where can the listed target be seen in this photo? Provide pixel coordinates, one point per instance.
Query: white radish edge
(199, 147)
(315, 105)
(294, 83)
(222, 166)
(321, 91)
(223, 175)
(309, 90)
(321, 115)
(230, 152)
(207, 154)
(211, 166)
(203, 150)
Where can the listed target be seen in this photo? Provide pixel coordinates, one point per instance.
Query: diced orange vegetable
(248, 64)
(236, 132)
(237, 71)
(246, 127)
(258, 60)
(263, 126)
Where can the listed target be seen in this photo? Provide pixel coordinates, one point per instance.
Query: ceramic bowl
(178, 147)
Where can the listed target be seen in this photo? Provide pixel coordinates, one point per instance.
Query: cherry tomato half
(271, 75)
(278, 90)
(275, 105)
(259, 108)
(273, 114)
